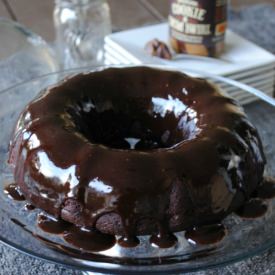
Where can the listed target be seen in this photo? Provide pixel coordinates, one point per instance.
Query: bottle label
(200, 22)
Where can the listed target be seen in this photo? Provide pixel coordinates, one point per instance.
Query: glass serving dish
(245, 238)
(23, 54)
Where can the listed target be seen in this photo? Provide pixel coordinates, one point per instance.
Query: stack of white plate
(242, 60)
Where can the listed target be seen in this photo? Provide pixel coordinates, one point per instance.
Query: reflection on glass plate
(23, 55)
(19, 227)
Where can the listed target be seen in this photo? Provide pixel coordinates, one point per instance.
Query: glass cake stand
(245, 238)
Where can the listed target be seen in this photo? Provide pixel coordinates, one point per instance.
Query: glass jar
(81, 26)
(198, 26)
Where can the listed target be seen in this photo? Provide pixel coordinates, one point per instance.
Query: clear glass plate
(23, 54)
(245, 238)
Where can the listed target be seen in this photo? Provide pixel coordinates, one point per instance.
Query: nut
(159, 49)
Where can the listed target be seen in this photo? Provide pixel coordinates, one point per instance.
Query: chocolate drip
(255, 208)
(73, 158)
(128, 241)
(204, 235)
(266, 190)
(83, 255)
(52, 225)
(89, 240)
(13, 192)
(166, 240)
(29, 207)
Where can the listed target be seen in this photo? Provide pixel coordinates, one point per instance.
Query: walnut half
(158, 48)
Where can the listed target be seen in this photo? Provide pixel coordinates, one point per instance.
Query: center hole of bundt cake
(126, 125)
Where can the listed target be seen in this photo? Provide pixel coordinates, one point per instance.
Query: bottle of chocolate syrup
(198, 26)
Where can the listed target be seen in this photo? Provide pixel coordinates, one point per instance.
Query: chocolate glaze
(84, 255)
(193, 156)
(29, 207)
(202, 235)
(130, 241)
(254, 208)
(89, 240)
(266, 190)
(128, 260)
(163, 240)
(13, 192)
(208, 234)
(51, 225)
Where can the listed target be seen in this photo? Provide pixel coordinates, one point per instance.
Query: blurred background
(244, 14)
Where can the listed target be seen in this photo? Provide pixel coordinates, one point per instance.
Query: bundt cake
(135, 151)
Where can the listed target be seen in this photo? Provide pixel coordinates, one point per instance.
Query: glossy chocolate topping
(266, 190)
(13, 192)
(252, 209)
(51, 225)
(208, 234)
(29, 207)
(135, 151)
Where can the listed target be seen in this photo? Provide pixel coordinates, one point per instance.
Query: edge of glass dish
(120, 269)
(34, 39)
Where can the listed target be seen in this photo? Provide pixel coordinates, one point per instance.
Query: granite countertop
(257, 23)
